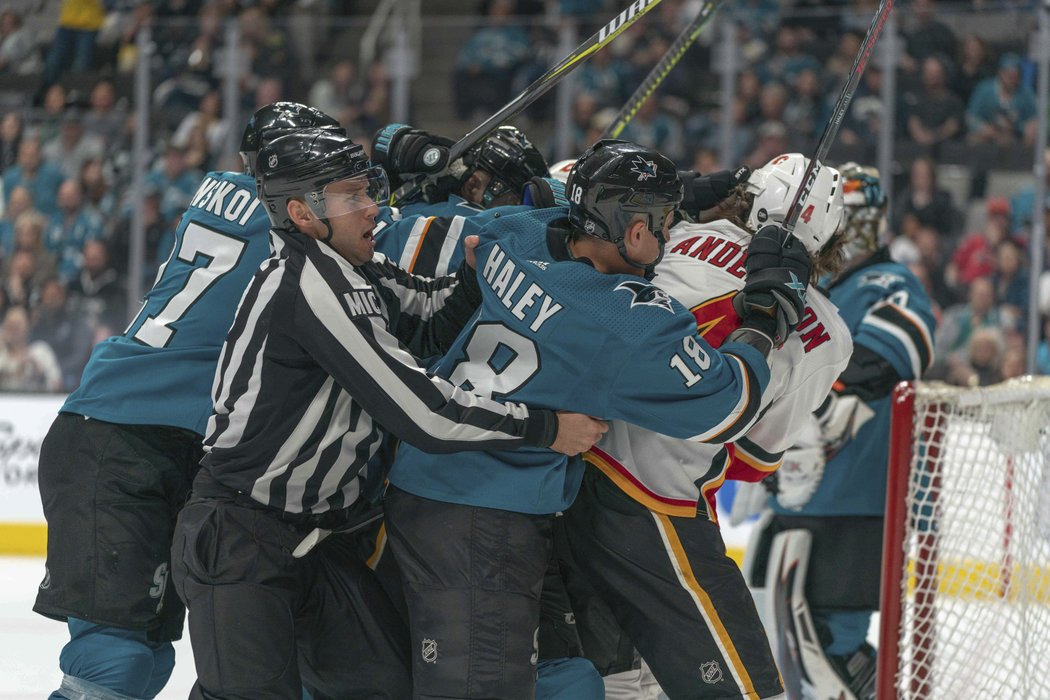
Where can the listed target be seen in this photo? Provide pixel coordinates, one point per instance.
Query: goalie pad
(807, 672)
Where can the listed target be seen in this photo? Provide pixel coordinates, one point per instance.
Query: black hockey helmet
(511, 159)
(616, 180)
(317, 166)
(278, 119)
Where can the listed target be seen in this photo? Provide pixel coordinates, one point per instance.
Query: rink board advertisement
(24, 420)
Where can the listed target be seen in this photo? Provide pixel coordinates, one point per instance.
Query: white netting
(976, 581)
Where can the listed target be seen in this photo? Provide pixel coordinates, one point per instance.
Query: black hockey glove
(707, 191)
(402, 150)
(774, 294)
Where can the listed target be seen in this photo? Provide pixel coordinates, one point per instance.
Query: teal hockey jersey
(553, 332)
(160, 370)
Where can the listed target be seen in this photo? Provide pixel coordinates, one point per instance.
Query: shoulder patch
(881, 279)
(646, 295)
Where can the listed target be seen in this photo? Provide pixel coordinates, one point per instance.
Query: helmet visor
(345, 196)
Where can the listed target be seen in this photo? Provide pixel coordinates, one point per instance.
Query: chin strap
(327, 225)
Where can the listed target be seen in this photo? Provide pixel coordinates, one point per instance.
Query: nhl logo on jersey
(647, 295)
(430, 651)
(588, 226)
(273, 160)
(711, 672)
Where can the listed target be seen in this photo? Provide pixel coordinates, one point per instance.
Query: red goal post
(965, 597)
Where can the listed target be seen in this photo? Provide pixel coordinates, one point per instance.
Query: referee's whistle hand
(577, 432)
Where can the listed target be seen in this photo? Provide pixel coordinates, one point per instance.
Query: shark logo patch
(647, 295)
(643, 168)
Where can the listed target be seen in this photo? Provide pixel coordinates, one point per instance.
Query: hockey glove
(774, 294)
(402, 150)
(707, 191)
(840, 417)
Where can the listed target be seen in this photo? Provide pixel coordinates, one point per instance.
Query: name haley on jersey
(503, 276)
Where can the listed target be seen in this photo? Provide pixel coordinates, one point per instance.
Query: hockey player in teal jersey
(831, 490)
(116, 465)
(568, 316)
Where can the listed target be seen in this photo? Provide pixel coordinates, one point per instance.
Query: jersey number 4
(221, 254)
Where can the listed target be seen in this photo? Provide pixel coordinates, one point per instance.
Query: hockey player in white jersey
(644, 528)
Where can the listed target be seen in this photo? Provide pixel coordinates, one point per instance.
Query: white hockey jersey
(704, 268)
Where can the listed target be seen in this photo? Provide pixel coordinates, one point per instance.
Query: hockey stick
(660, 70)
(831, 129)
(538, 88)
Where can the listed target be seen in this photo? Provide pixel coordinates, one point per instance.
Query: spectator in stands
(984, 355)
(31, 171)
(930, 248)
(19, 284)
(488, 62)
(1042, 353)
(72, 147)
(376, 105)
(19, 53)
(656, 129)
(926, 36)
(935, 114)
(924, 200)
(29, 238)
(204, 128)
(862, 123)
(787, 60)
(98, 291)
(64, 329)
(175, 181)
(264, 45)
(758, 17)
(961, 320)
(160, 238)
(838, 64)
(1011, 279)
(806, 111)
(104, 119)
(338, 93)
(10, 139)
(1002, 109)
(19, 202)
(70, 228)
(73, 45)
(772, 100)
(1021, 203)
(975, 256)
(974, 66)
(1014, 363)
(771, 139)
(98, 195)
(49, 122)
(607, 78)
(25, 366)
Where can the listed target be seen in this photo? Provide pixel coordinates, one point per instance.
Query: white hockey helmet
(560, 170)
(774, 186)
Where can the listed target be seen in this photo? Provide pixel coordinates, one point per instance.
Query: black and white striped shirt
(318, 367)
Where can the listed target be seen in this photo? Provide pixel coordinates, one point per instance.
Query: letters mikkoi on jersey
(554, 332)
(160, 370)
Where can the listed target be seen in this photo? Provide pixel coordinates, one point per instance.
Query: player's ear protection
(538, 193)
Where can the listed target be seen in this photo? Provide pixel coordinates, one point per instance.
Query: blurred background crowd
(963, 123)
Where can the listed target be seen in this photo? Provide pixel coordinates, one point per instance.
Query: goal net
(966, 559)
